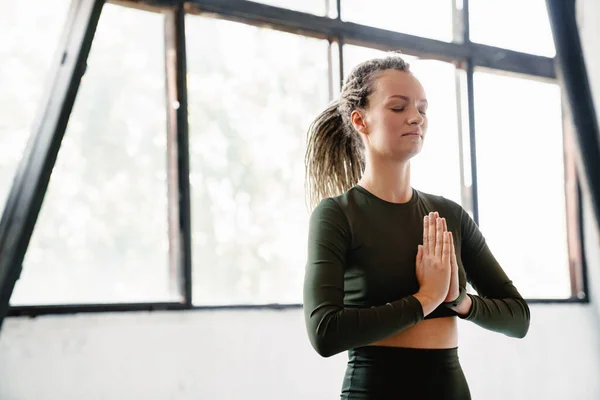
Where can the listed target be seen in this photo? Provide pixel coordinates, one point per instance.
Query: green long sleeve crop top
(360, 273)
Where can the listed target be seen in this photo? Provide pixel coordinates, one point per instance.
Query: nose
(416, 118)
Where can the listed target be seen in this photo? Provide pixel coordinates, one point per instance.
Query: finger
(439, 239)
(426, 234)
(432, 234)
(454, 262)
(419, 254)
(447, 251)
(445, 225)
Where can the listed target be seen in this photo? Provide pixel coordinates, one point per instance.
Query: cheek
(379, 125)
(385, 127)
(391, 123)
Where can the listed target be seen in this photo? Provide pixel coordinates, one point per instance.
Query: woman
(387, 264)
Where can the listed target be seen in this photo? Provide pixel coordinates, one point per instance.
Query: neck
(388, 181)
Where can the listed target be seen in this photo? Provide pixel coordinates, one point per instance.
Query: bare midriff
(435, 333)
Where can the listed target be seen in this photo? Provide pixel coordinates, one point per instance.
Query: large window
(113, 227)
(101, 236)
(521, 181)
(252, 95)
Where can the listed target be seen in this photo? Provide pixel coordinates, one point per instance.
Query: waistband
(403, 354)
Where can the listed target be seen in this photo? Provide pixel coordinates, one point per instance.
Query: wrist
(458, 300)
(464, 308)
(429, 303)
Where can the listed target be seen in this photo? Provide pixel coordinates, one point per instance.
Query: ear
(359, 122)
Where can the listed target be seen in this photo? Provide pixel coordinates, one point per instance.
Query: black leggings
(382, 373)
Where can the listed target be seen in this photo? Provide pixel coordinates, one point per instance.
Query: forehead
(394, 82)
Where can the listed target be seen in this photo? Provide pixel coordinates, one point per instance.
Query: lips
(413, 133)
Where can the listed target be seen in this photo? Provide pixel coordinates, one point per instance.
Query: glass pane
(252, 95)
(441, 145)
(101, 236)
(23, 72)
(528, 31)
(317, 7)
(406, 16)
(520, 173)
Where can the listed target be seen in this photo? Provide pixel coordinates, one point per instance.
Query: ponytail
(334, 158)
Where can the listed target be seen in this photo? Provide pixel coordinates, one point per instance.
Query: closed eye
(422, 112)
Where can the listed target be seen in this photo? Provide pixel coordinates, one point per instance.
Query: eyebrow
(406, 98)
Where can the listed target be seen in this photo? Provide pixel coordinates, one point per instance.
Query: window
(23, 73)
(521, 184)
(437, 168)
(253, 90)
(252, 95)
(512, 24)
(101, 236)
(406, 16)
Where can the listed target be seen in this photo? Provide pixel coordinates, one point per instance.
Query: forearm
(509, 316)
(333, 329)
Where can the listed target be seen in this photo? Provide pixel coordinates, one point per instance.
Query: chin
(405, 154)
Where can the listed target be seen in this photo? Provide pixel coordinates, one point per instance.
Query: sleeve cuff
(473, 311)
(418, 308)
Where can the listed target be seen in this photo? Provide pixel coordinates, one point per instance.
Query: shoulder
(338, 205)
(342, 209)
(328, 222)
(330, 210)
(328, 206)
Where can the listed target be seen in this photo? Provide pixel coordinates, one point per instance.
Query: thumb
(419, 253)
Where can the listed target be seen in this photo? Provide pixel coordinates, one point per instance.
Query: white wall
(265, 355)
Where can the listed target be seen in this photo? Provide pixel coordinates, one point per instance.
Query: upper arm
(328, 240)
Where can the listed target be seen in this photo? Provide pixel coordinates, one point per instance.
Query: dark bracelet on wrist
(455, 303)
